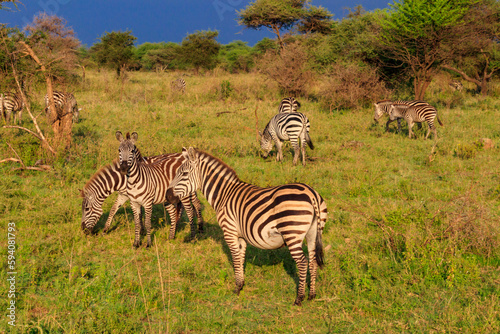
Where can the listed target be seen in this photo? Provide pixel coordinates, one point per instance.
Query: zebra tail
(309, 141)
(320, 256)
(439, 121)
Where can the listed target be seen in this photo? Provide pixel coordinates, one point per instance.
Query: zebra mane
(211, 158)
(112, 166)
(384, 101)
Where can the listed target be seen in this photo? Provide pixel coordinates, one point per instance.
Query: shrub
(352, 86)
(288, 69)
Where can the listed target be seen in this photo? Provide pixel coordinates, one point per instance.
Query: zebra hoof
(298, 301)
(311, 296)
(137, 244)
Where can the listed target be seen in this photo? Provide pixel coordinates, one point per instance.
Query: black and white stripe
(290, 126)
(289, 104)
(109, 179)
(266, 218)
(179, 84)
(383, 107)
(11, 104)
(416, 113)
(62, 99)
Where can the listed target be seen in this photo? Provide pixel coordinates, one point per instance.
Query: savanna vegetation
(412, 239)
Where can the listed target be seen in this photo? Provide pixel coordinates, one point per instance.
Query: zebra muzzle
(123, 168)
(171, 198)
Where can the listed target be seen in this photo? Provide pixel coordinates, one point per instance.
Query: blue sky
(158, 20)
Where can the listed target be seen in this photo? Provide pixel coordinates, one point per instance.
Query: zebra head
(266, 142)
(187, 177)
(91, 211)
(379, 110)
(127, 150)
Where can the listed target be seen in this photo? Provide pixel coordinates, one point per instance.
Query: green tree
(315, 20)
(200, 49)
(115, 50)
(276, 15)
(420, 34)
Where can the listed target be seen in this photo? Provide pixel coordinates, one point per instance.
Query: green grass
(412, 234)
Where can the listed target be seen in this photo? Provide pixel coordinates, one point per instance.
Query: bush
(352, 86)
(288, 69)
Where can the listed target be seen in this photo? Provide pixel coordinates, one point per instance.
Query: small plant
(466, 151)
(226, 89)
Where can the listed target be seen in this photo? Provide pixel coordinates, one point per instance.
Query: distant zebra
(456, 85)
(416, 114)
(179, 84)
(11, 104)
(289, 104)
(110, 179)
(383, 107)
(61, 99)
(287, 126)
(266, 218)
(147, 183)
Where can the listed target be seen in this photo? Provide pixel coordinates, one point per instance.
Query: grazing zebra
(147, 183)
(179, 84)
(11, 104)
(416, 114)
(287, 126)
(289, 104)
(456, 85)
(383, 107)
(110, 179)
(61, 99)
(266, 218)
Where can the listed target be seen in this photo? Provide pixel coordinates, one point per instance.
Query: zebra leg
(295, 248)
(279, 145)
(399, 125)
(313, 264)
(237, 246)
(431, 128)
(148, 208)
(172, 213)
(136, 208)
(303, 151)
(296, 151)
(186, 202)
(120, 200)
(197, 207)
(410, 126)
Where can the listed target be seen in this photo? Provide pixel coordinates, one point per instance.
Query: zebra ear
(134, 137)
(192, 154)
(119, 136)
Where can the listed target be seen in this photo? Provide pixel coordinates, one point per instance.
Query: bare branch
(23, 128)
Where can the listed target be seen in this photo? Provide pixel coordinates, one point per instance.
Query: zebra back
(288, 104)
(11, 104)
(62, 99)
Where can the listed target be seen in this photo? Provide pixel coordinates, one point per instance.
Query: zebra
(110, 179)
(179, 84)
(416, 114)
(61, 99)
(147, 183)
(287, 126)
(266, 218)
(11, 104)
(289, 104)
(383, 107)
(456, 85)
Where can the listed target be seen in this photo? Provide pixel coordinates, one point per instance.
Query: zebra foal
(147, 183)
(266, 218)
(292, 126)
(415, 114)
(109, 179)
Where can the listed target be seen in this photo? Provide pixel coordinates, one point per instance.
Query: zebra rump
(289, 104)
(11, 104)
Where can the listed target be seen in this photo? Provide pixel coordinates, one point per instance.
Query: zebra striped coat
(266, 218)
(109, 179)
(11, 104)
(61, 99)
(287, 126)
(179, 84)
(289, 104)
(146, 183)
(415, 114)
(383, 107)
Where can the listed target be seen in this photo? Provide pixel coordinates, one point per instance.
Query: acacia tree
(200, 49)
(421, 33)
(115, 50)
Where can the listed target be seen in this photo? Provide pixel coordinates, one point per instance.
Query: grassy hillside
(412, 236)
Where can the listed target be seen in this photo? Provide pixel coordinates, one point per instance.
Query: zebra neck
(217, 180)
